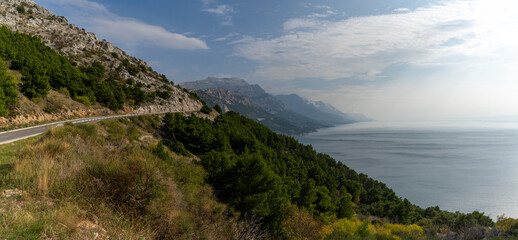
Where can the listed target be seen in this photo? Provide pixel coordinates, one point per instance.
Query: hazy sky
(388, 59)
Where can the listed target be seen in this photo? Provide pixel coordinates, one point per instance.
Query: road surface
(23, 133)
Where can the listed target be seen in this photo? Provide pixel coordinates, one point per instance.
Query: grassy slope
(105, 180)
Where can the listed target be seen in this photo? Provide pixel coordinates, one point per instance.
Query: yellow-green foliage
(300, 225)
(413, 230)
(101, 179)
(355, 229)
(507, 224)
(343, 225)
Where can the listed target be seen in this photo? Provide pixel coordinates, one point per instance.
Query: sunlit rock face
(83, 48)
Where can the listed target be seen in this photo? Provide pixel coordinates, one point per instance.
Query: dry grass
(99, 180)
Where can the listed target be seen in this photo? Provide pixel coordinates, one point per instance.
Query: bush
(508, 225)
(354, 229)
(20, 9)
(301, 225)
(164, 79)
(404, 230)
(84, 100)
(160, 152)
(205, 109)
(177, 147)
(163, 94)
(64, 91)
(129, 184)
(218, 109)
(8, 94)
(50, 109)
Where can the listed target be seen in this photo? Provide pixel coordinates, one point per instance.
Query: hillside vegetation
(108, 180)
(44, 69)
(256, 170)
(230, 178)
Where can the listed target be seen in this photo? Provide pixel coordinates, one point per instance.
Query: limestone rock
(84, 48)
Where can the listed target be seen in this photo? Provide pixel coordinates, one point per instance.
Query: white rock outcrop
(84, 48)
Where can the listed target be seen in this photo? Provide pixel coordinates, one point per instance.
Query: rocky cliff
(83, 48)
(253, 102)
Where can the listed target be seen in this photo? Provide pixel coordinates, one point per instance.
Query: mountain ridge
(82, 48)
(283, 111)
(319, 110)
(265, 106)
(235, 101)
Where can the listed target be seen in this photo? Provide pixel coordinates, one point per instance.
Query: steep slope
(264, 100)
(84, 49)
(234, 101)
(280, 117)
(107, 180)
(327, 108)
(318, 111)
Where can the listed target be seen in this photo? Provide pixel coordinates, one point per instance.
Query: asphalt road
(23, 133)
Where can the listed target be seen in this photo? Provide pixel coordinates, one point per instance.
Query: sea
(458, 166)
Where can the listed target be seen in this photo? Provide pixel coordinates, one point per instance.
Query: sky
(388, 59)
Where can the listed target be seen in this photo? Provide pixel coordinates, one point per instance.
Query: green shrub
(8, 94)
(129, 184)
(50, 109)
(64, 91)
(218, 109)
(84, 100)
(177, 147)
(20, 9)
(160, 152)
(206, 109)
(163, 94)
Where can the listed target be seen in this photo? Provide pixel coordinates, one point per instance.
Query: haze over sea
(462, 166)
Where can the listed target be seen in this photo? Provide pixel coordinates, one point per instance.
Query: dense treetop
(255, 169)
(44, 69)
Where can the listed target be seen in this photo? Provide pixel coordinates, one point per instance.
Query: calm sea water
(456, 166)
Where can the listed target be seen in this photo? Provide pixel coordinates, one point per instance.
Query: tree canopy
(254, 169)
(44, 69)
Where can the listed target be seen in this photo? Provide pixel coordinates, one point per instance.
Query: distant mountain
(235, 101)
(289, 114)
(253, 102)
(253, 91)
(328, 108)
(319, 111)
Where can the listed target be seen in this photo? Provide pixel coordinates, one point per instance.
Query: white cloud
(325, 14)
(366, 46)
(134, 32)
(324, 7)
(401, 10)
(298, 23)
(226, 37)
(84, 6)
(222, 10)
(126, 31)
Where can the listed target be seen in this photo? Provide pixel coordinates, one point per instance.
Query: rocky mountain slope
(328, 108)
(235, 101)
(253, 102)
(319, 111)
(289, 114)
(253, 91)
(83, 48)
